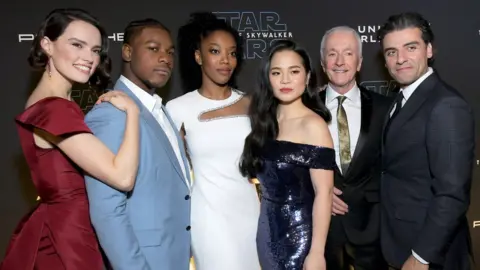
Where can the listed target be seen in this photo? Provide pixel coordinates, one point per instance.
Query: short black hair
(135, 27)
(406, 20)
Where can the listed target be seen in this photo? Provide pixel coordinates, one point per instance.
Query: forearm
(322, 208)
(127, 158)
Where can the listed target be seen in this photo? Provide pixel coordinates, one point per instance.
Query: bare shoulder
(246, 98)
(244, 101)
(316, 131)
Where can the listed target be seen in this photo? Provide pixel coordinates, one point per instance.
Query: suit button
(187, 197)
(188, 228)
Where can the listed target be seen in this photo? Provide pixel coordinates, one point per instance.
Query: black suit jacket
(360, 184)
(428, 155)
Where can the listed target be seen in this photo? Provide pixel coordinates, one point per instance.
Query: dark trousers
(340, 254)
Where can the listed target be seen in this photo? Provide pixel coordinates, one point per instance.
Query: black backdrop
(455, 23)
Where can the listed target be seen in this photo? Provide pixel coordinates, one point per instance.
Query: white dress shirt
(154, 104)
(407, 93)
(353, 109)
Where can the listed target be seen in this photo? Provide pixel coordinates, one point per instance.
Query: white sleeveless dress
(225, 205)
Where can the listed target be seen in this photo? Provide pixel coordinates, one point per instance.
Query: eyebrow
(216, 44)
(156, 42)
(290, 67)
(83, 42)
(341, 51)
(404, 45)
(412, 43)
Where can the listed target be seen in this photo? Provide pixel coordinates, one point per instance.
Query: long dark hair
(54, 25)
(200, 26)
(263, 107)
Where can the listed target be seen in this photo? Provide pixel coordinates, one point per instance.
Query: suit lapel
(414, 102)
(365, 122)
(148, 118)
(385, 122)
(181, 147)
(366, 117)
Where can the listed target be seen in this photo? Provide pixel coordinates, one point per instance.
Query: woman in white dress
(213, 119)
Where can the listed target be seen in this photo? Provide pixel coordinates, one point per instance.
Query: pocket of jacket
(411, 213)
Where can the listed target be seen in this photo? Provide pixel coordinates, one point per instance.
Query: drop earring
(49, 70)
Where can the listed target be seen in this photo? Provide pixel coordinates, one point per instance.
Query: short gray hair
(340, 29)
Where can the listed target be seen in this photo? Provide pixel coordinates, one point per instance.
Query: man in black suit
(356, 129)
(428, 153)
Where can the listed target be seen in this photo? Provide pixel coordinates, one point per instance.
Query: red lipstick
(286, 90)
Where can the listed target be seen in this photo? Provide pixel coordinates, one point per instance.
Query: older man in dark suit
(356, 128)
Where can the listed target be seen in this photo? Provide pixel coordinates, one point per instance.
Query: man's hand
(413, 264)
(338, 206)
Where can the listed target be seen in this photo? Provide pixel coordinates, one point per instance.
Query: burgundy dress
(57, 234)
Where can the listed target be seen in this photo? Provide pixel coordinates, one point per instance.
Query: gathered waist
(78, 196)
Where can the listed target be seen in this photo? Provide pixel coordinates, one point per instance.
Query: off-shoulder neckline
(301, 144)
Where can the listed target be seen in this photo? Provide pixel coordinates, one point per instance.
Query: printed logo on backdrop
(383, 87)
(115, 37)
(85, 98)
(476, 223)
(258, 29)
(368, 33)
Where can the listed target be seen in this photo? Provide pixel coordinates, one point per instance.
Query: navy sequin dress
(285, 226)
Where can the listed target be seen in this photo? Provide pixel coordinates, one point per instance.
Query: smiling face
(76, 53)
(217, 57)
(288, 76)
(342, 60)
(406, 55)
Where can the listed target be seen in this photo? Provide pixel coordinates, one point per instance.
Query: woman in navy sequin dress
(290, 152)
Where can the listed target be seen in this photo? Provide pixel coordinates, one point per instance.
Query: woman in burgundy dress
(71, 48)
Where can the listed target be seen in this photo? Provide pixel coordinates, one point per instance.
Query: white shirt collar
(408, 91)
(353, 94)
(147, 100)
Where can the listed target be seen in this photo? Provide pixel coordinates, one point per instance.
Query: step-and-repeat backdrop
(455, 23)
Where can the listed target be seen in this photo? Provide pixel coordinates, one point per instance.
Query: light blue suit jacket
(148, 228)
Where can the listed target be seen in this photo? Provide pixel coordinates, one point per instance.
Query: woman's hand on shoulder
(120, 100)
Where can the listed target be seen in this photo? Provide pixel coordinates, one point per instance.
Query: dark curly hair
(263, 107)
(408, 20)
(54, 25)
(200, 26)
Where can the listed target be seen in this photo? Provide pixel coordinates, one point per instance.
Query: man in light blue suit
(148, 228)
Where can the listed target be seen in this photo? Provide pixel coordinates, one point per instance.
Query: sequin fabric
(285, 225)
